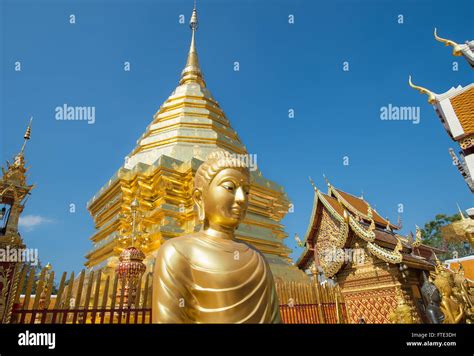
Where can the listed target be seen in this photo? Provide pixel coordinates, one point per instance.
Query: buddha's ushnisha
(209, 276)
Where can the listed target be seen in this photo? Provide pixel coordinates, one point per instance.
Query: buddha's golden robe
(204, 279)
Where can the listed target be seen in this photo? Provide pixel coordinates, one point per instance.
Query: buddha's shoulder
(177, 246)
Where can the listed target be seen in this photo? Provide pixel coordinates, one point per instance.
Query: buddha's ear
(197, 197)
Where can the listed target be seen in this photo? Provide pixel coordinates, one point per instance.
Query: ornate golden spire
(27, 135)
(431, 95)
(192, 71)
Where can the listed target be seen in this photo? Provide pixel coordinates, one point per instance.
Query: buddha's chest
(226, 269)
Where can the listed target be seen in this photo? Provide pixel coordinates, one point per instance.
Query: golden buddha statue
(208, 276)
(462, 294)
(452, 310)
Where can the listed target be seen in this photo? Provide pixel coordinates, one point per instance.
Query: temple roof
(455, 108)
(359, 206)
(463, 105)
(358, 214)
(466, 49)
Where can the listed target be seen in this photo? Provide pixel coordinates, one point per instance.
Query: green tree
(431, 235)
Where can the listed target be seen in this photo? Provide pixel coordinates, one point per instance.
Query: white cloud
(30, 222)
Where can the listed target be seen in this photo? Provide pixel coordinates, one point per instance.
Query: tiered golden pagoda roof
(190, 123)
(159, 173)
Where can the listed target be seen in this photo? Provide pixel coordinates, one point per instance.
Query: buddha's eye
(229, 186)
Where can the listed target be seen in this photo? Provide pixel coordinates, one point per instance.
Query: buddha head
(221, 189)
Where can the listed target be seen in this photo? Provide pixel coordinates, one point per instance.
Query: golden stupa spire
(27, 136)
(192, 71)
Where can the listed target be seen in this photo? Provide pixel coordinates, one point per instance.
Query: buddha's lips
(236, 210)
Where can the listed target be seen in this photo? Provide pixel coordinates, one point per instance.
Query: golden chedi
(209, 276)
(160, 171)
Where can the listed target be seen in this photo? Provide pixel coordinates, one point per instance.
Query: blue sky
(282, 66)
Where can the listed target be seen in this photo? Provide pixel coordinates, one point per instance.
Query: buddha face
(225, 200)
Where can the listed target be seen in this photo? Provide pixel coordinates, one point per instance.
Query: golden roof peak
(457, 49)
(312, 183)
(431, 95)
(192, 71)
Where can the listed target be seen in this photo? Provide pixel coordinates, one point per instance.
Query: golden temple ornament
(208, 276)
(402, 314)
(466, 50)
(431, 95)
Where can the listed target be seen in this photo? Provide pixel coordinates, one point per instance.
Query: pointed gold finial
(312, 183)
(369, 212)
(399, 222)
(431, 95)
(298, 241)
(438, 265)
(398, 246)
(418, 237)
(192, 71)
(27, 135)
(326, 180)
(460, 212)
(457, 50)
(371, 217)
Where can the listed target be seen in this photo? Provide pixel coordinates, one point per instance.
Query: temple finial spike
(312, 183)
(460, 212)
(431, 95)
(457, 50)
(193, 22)
(27, 135)
(192, 71)
(326, 180)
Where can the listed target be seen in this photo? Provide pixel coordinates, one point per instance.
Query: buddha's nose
(240, 195)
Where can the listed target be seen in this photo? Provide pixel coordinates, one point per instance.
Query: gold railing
(92, 298)
(88, 299)
(309, 303)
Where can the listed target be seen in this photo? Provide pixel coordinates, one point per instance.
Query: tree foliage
(431, 235)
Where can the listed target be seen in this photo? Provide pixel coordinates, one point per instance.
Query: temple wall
(369, 290)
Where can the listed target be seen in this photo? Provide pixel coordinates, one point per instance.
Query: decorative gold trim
(431, 95)
(467, 142)
(418, 239)
(367, 235)
(393, 257)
